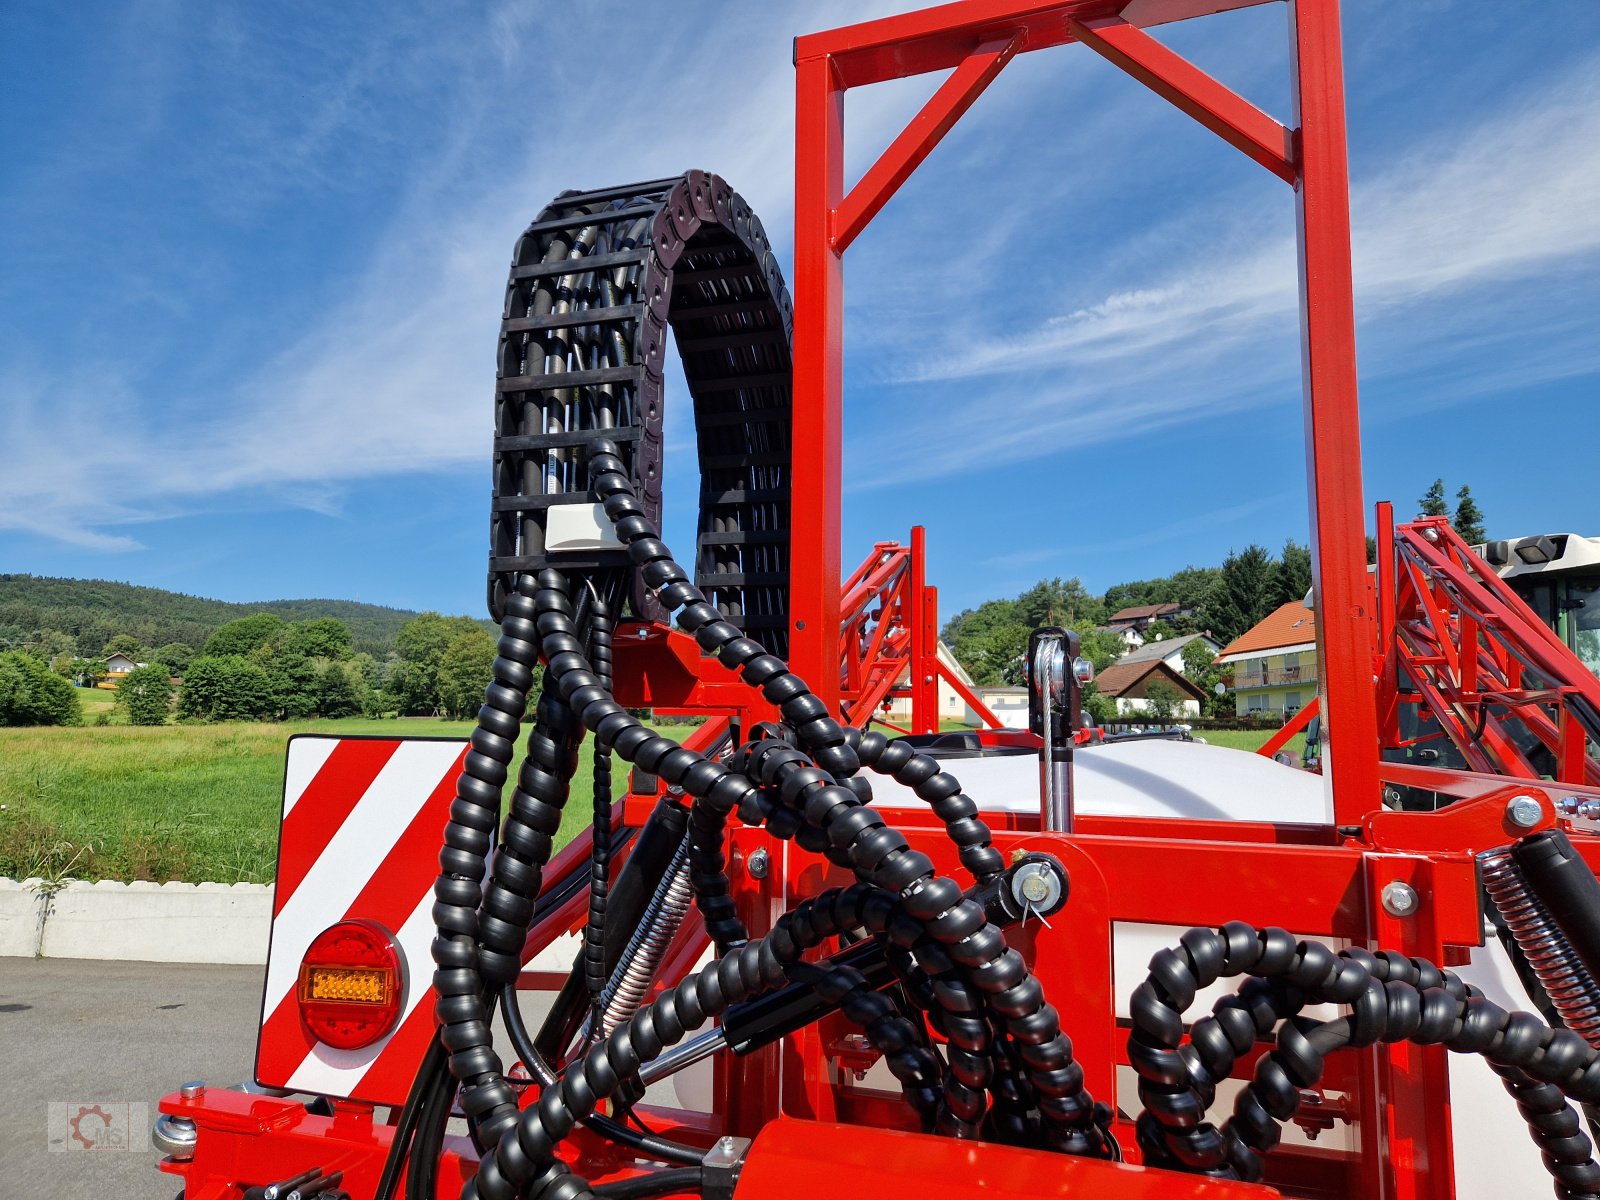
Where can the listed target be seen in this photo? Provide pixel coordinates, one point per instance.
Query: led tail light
(352, 985)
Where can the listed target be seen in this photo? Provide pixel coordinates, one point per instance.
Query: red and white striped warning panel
(348, 1005)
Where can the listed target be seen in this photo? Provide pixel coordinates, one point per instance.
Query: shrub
(32, 694)
(145, 695)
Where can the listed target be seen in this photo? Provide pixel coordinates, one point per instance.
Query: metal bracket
(722, 1165)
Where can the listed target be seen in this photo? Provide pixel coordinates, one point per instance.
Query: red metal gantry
(974, 39)
(1468, 673)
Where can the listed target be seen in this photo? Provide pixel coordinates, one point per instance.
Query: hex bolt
(758, 863)
(192, 1090)
(1524, 812)
(1400, 899)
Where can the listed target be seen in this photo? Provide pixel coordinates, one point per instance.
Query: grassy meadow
(197, 802)
(187, 802)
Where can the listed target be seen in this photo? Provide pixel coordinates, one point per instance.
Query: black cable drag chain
(596, 282)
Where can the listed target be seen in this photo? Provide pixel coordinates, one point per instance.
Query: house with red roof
(1275, 662)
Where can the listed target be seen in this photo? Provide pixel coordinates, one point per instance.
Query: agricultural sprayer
(794, 954)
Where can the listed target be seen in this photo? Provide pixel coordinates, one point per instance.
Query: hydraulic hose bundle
(1004, 1036)
(596, 280)
(1391, 998)
(595, 283)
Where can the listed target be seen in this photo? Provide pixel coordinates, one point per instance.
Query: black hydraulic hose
(629, 896)
(1392, 998)
(523, 1164)
(1564, 884)
(595, 970)
(481, 930)
(657, 1183)
(932, 910)
(431, 1068)
(1534, 987)
(838, 824)
(904, 1050)
(644, 1143)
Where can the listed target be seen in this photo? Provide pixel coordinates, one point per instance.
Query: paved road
(87, 1035)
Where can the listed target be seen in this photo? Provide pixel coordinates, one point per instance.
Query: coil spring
(1570, 986)
(635, 973)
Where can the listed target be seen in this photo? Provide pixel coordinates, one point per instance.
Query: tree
(464, 672)
(225, 688)
(989, 641)
(244, 635)
(1433, 503)
(1102, 647)
(145, 694)
(326, 637)
(1244, 593)
(1060, 602)
(175, 655)
(1205, 674)
(1294, 572)
(124, 643)
(88, 672)
(421, 645)
(1163, 700)
(32, 694)
(296, 685)
(53, 648)
(1158, 631)
(1469, 518)
(1099, 706)
(338, 692)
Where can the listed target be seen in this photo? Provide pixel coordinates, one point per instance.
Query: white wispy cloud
(395, 374)
(1443, 238)
(389, 367)
(1462, 212)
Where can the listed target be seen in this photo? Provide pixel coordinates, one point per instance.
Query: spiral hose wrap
(1391, 998)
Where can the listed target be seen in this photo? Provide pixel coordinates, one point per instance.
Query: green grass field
(189, 802)
(197, 802)
(1248, 739)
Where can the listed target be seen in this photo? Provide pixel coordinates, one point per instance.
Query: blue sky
(254, 261)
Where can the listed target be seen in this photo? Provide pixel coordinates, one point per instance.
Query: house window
(1291, 702)
(1257, 703)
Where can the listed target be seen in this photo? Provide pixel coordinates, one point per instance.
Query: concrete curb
(143, 922)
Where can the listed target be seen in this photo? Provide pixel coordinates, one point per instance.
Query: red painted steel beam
(1227, 114)
(938, 38)
(985, 714)
(1290, 727)
(784, 1164)
(1332, 415)
(917, 140)
(924, 621)
(818, 401)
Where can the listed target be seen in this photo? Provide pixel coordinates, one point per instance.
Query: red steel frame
(1316, 880)
(889, 632)
(974, 39)
(1460, 646)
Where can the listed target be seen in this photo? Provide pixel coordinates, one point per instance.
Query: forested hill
(93, 611)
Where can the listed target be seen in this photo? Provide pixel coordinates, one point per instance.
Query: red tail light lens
(351, 985)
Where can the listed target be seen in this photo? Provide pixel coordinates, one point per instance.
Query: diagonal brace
(905, 154)
(1221, 110)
